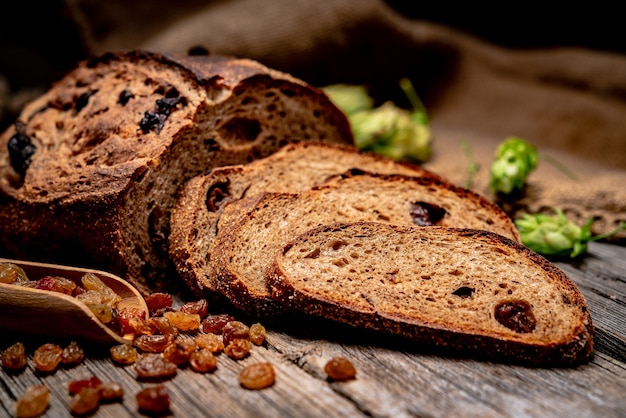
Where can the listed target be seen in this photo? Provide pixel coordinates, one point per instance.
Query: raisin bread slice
(468, 290)
(252, 230)
(295, 167)
(89, 172)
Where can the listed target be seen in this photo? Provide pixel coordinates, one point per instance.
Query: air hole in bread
(464, 292)
(240, 130)
(288, 92)
(217, 196)
(337, 245)
(313, 254)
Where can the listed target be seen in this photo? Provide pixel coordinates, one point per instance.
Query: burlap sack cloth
(571, 103)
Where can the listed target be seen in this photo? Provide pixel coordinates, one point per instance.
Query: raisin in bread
(295, 167)
(88, 173)
(252, 230)
(468, 290)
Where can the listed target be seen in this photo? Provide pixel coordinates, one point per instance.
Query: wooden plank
(395, 377)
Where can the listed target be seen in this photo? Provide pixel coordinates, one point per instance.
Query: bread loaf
(472, 291)
(295, 167)
(252, 230)
(89, 172)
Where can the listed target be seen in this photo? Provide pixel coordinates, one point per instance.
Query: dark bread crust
(102, 180)
(576, 348)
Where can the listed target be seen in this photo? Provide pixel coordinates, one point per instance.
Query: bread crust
(575, 348)
(115, 137)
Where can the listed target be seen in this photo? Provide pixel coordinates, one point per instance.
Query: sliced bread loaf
(252, 230)
(295, 167)
(88, 174)
(468, 290)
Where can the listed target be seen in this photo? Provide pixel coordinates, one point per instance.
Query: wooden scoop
(43, 312)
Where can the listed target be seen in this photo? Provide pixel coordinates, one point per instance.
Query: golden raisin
(257, 376)
(257, 334)
(210, 341)
(203, 361)
(12, 274)
(235, 330)
(153, 343)
(340, 369)
(14, 357)
(180, 351)
(153, 400)
(33, 402)
(237, 348)
(111, 391)
(72, 354)
(85, 401)
(124, 354)
(47, 357)
(183, 321)
(151, 365)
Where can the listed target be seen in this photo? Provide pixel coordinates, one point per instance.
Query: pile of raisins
(157, 347)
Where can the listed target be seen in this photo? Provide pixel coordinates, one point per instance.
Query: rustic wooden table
(395, 378)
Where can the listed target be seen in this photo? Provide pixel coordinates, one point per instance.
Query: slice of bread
(89, 172)
(467, 290)
(252, 230)
(295, 167)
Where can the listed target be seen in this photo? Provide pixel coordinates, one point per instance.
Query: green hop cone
(397, 133)
(393, 132)
(514, 160)
(350, 99)
(556, 235)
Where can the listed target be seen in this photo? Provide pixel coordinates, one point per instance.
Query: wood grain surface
(395, 378)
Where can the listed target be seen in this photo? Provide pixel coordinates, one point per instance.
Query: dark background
(39, 42)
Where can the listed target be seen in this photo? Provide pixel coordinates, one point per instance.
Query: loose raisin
(162, 325)
(72, 354)
(200, 307)
(235, 330)
(47, 357)
(86, 401)
(257, 376)
(125, 315)
(153, 343)
(111, 391)
(12, 274)
(76, 386)
(237, 349)
(516, 315)
(124, 354)
(14, 357)
(92, 282)
(158, 300)
(203, 361)
(153, 400)
(151, 365)
(257, 334)
(183, 321)
(215, 323)
(180, 351)
(340, 369)
(33, 402)
(210, 341)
